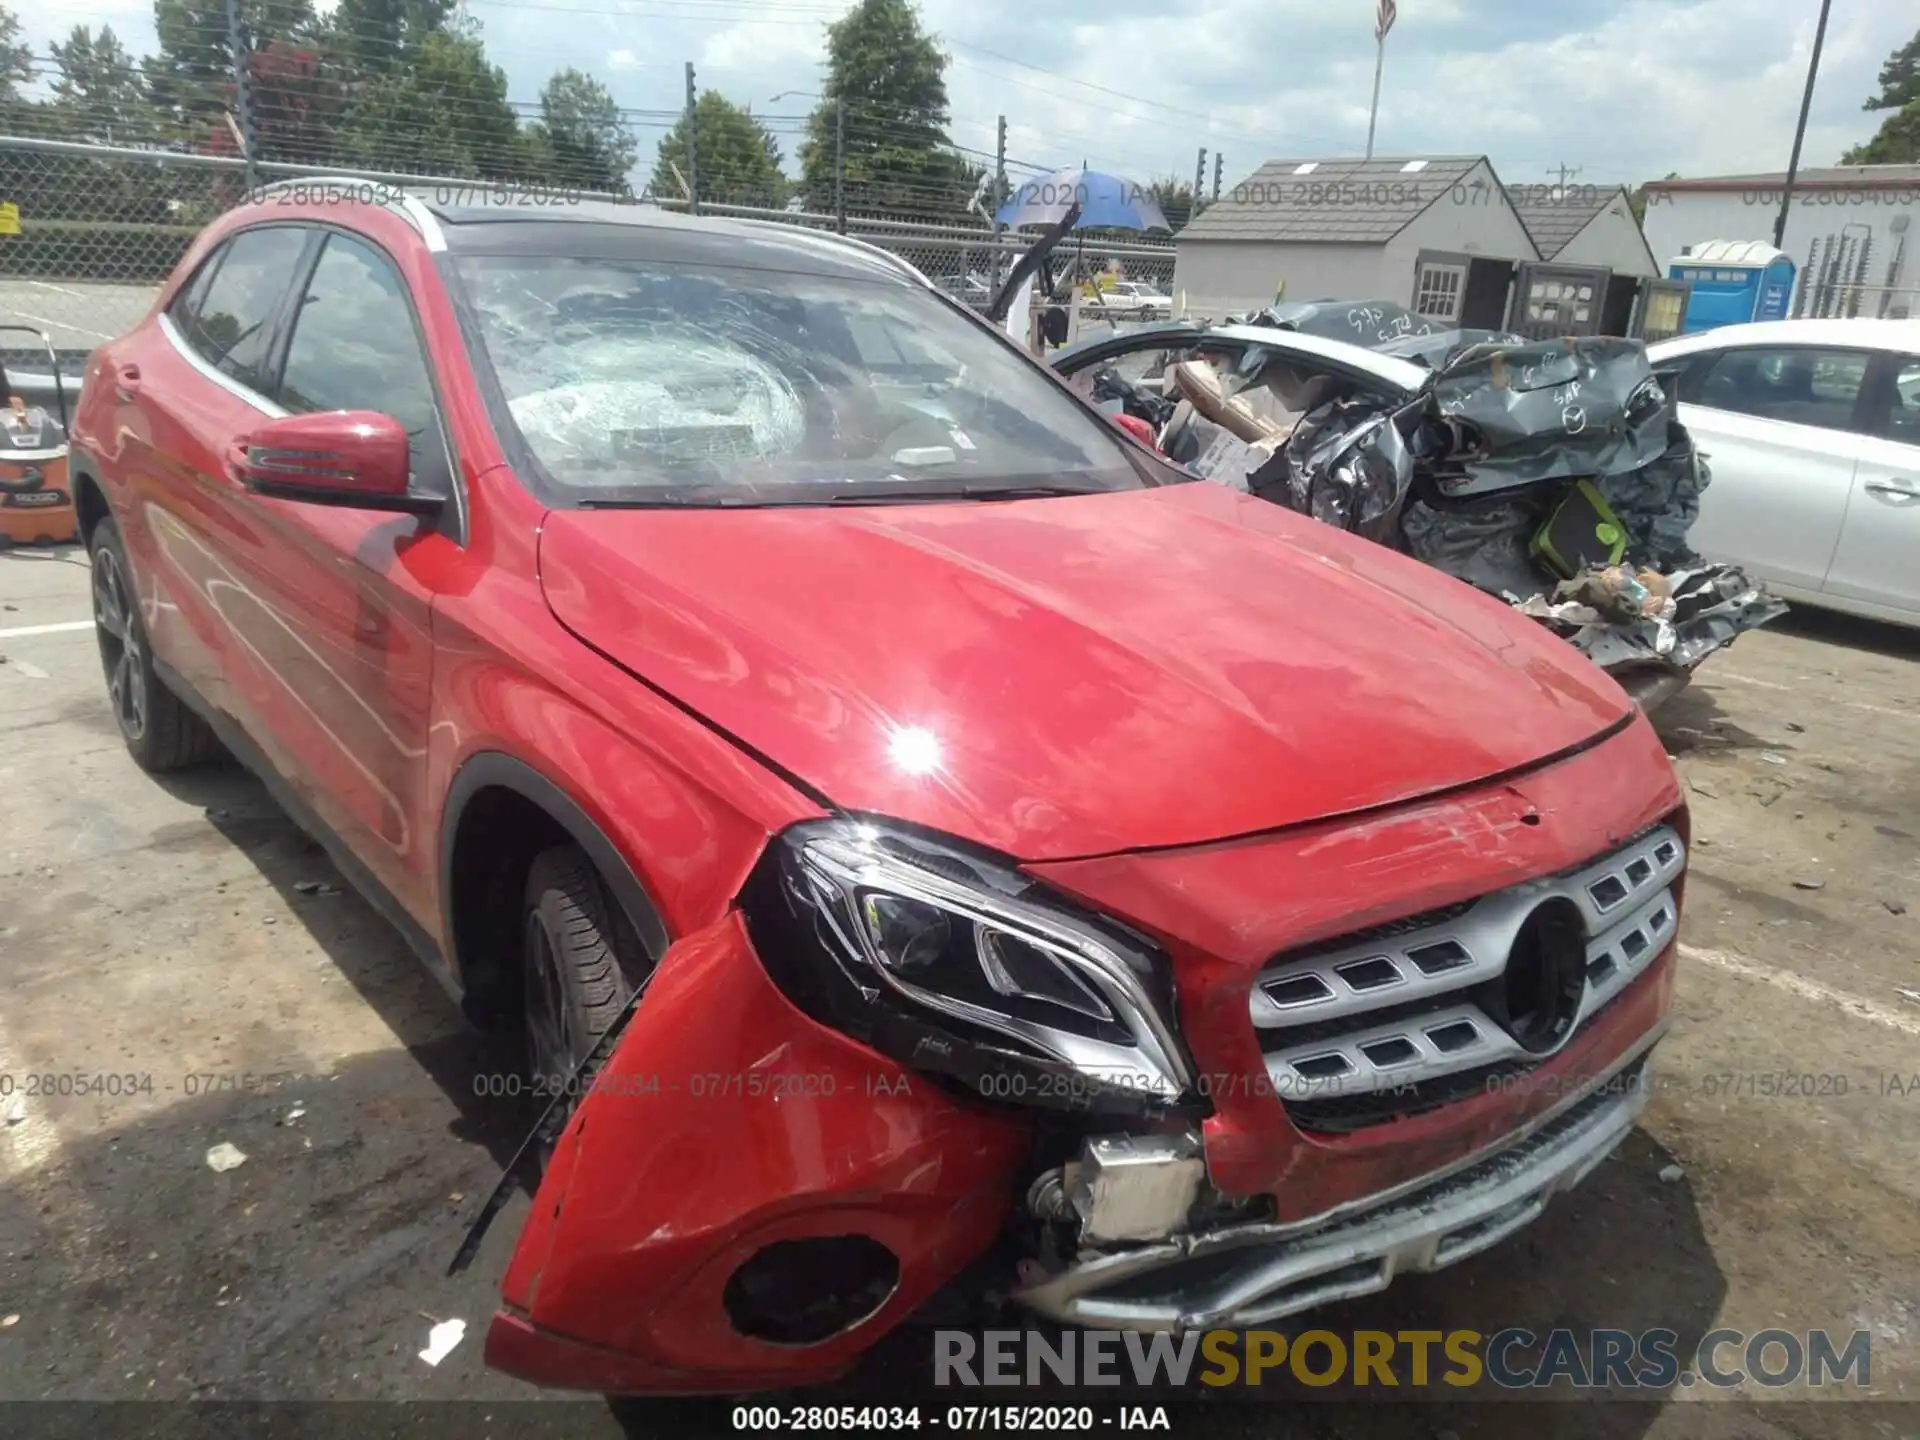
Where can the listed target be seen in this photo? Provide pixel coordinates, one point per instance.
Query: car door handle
(127, 381)
(1882, 487)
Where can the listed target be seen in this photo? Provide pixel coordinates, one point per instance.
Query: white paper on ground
(441, 1340)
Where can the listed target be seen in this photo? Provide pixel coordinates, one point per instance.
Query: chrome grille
(1411, 999)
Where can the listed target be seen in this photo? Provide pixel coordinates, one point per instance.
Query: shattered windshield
(642, 382)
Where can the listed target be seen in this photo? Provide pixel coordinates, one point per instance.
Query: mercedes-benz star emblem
(1537, 999)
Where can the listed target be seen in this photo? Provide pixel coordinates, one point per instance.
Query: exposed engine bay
(1554, 474)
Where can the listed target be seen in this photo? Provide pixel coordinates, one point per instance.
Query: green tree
(190, 76)
(891, 78)
(16, 58)
(1899, 78)
(585, 143)
(377, 37)
(1898, 139)
(98, 92)
(444, 113)
(739, 158)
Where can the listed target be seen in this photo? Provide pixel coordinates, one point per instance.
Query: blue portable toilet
(1733, 282)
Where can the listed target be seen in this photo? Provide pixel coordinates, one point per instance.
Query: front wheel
(580, 963)
(162, 734)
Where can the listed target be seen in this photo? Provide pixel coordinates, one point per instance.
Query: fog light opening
(803, 1292)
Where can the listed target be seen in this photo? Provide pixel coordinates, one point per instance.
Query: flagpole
(1379, 63)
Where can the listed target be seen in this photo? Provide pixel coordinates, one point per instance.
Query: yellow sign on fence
(9, 218)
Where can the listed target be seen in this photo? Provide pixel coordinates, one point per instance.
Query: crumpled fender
(726, 1120)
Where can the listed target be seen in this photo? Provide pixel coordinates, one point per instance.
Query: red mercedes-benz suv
(918, 829)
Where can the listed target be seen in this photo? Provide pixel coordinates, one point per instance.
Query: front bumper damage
(1243, 1275)
(730, 1137)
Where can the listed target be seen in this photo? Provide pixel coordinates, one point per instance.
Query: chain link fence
(96, 229)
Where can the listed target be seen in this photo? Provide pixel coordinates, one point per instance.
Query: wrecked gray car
(1554, 474)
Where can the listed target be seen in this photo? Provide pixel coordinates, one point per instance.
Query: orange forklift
(36, 498)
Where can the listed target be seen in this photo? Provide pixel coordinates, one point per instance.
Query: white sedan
(1812, 431)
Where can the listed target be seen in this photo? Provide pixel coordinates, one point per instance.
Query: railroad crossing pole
(999, 199)
(840, 164)
(242, 87)
(693, 144)
(1800, 130)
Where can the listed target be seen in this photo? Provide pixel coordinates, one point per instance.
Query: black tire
(162, 734)
(580, 961)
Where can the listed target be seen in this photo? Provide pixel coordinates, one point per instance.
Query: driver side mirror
(356, 459)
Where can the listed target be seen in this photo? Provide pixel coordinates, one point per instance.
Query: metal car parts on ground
(1553, 474)
(36, 503)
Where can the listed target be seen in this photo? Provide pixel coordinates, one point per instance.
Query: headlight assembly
(956, 964)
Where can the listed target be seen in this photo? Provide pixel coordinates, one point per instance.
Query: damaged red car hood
(1066, 677)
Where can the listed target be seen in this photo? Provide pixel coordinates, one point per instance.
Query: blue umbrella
(1107, 202)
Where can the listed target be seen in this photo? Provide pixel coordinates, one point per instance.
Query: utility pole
(1800, 130)
(1560, 186)
(999, 199)
(840, 164)
(1200, 176)
(693, 144)
(242, 89)
(1219, 164)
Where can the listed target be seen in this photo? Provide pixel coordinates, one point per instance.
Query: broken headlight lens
(956, 963)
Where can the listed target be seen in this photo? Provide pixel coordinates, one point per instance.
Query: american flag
(1383, 20)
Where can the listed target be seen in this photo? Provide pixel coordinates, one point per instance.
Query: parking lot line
(1720, 672)
(61, 628)
(1854, 1005)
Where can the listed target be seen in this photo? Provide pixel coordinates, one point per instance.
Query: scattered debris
(30, 670)
(268, 920)
(225, 1156)
(1807, 883)
(1891, 833)
(1555, 475)
(1913, 995)
(1768, 757)
(292, 1115)
(1671, 1173)
(1796, 727)
(441, 1340)
(1699, 789)
(16, 1110)
(7, 1322)
(1895, 907)
(456, 1197)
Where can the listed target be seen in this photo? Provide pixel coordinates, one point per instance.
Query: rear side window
(1903, 421)
(354, 348)
(232, 322)
(186, 304)
(1796, 385)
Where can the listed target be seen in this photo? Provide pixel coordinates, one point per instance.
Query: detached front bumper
(1254, 1274)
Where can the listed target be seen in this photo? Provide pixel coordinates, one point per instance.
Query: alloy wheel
(117, 627)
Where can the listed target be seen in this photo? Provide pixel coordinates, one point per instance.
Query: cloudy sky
(1621, 90)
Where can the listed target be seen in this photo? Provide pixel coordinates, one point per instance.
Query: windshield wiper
(1009, 492)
